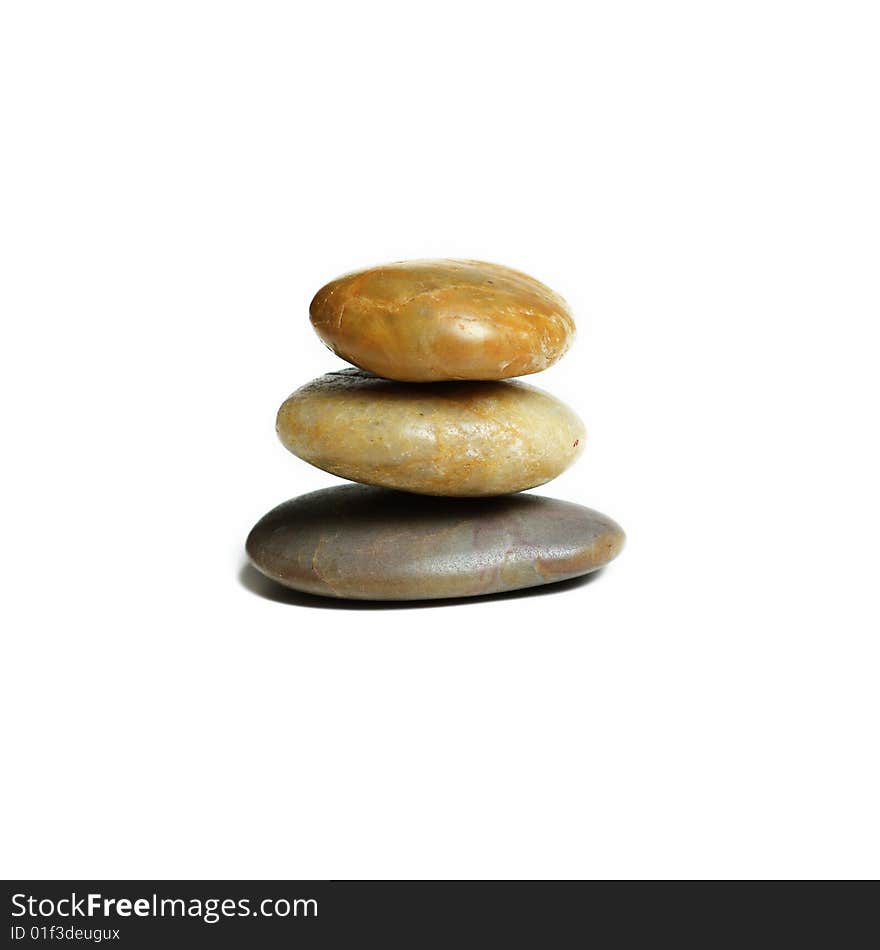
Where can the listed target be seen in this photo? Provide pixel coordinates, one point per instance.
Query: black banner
(266, 914)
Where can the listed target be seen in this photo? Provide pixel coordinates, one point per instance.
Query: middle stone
(455, 438)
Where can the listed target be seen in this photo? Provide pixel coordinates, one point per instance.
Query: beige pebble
(466, 439)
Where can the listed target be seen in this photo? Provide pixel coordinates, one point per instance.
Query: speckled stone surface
(424, 321)
(463, 439)
(373, 544)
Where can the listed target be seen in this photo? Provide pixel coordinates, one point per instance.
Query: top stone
(428, 321)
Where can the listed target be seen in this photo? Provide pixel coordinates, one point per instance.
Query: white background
(699, 180)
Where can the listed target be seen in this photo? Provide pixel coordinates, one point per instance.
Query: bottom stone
(366, 543)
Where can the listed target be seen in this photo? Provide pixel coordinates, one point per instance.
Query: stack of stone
(430, 423)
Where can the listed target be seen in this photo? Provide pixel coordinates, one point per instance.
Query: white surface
(700, 180)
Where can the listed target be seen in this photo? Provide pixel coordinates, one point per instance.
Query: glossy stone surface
(374, 544)
(467, 438)
(424, 321)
